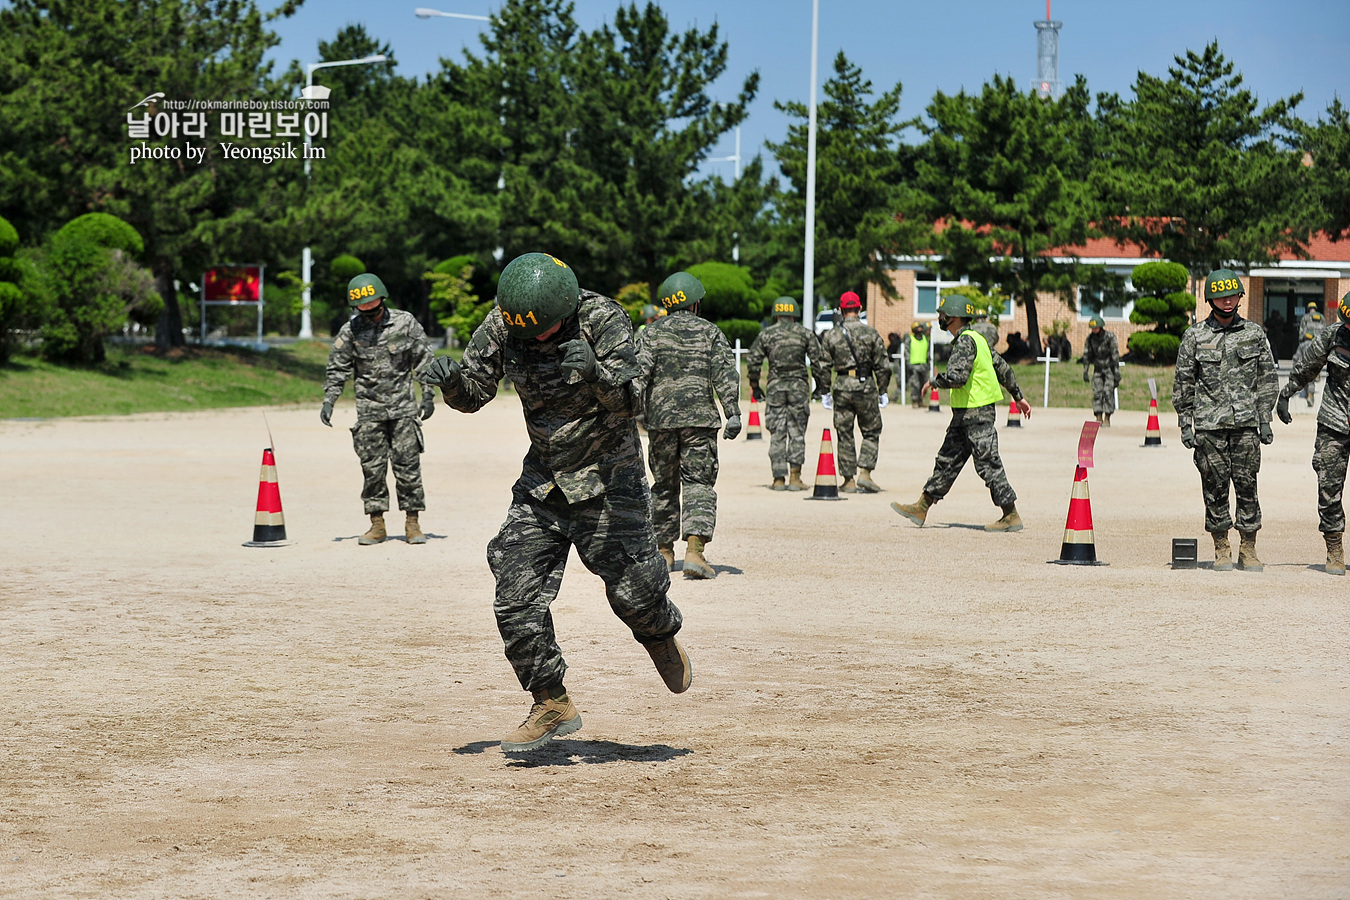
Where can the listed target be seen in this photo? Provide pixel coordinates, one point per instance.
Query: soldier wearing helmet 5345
(569, 353)
(1101, 354)
(1224, 392)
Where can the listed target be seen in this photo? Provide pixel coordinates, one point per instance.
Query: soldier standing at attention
(861, 375)
(380, 349)
(1331, 448)
(570, 355)
(1224, 392)
(916, 350)
(1101, 352)
(974, 373)
(790, 348)
(682, 360)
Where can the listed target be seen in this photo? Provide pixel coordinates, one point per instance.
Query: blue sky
(1280, 48)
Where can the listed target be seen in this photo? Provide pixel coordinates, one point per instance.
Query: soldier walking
(570, 355)
(1101, 354)
(974, 374)
(857, 354)
(1224, 392)
(379, 349)
(682, 361)
(916, 350)
(1330, 348)
(1311, 322)
(790, 348)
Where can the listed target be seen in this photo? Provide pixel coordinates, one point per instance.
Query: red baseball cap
(849, 300)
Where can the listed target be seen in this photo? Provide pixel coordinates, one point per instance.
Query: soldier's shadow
(720, 570)
(431, 536)
(964, 525)
(573, 753)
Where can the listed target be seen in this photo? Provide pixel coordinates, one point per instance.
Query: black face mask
(943, 321)
(371, 315)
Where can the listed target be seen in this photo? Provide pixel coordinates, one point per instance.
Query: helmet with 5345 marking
(364, 288)
(536, 292)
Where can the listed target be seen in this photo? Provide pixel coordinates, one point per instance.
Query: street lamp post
(809, 265)
(424, 13)
(306, 260)
(736, 158)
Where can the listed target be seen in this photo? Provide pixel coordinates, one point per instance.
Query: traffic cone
(269, 525)
(827, 482)
(1152, 433)
(1014, 414)
(752, 431)
(1079, 547)
(934, 402)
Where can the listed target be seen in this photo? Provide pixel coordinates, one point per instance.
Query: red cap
(849, 300)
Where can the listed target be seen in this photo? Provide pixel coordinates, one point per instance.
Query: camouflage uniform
(582, 484)
(1311, 322)
(681, 360)
(1330, 348)
(1225, 389)
(917, 372)
(856, 393)
(1102, 353)
(972, 432)
(381, 358)
(788, 347)
(988, 331)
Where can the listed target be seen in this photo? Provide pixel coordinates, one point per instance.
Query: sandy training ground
(878, 710)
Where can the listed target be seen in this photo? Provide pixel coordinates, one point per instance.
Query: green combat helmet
(1345, 308)
(954, 306)
(679, 291)
(786, 306)
(536, 292)
(1222, 283)
(648, 312)
(1096, 322)
(364, 288)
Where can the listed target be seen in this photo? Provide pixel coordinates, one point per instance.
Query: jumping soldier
(861, 375)
(380, 349)
(790, 348)
(1101, 354)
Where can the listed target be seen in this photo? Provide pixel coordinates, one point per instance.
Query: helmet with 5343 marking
(679, 291)
(536, 292)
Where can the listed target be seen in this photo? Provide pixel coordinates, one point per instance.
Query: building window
(1112, 305)
(928, 289)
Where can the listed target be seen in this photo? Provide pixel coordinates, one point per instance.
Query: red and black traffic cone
(753, 431)
(1014, 414)
(934, 402)
(1079, 547)
(269, 524)
(827, 480)
(1152, 433)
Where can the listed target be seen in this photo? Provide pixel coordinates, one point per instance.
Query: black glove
(1188, 436)
(444, 370)
(757, 393)
(1282, 409)
(1267, 436)
(326, 414)
(733, 428)
(428, 404)
(580, 358)
(821, 389)
(1086, 376)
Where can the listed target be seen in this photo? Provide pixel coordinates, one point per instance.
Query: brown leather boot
(780, 484)
(376, 534)
(667, 552)
(795, 479)
(1247, 553)
(1106, 420)
(865, 483)
(1335, 553)
(1098, 417)
(550, 717)
(917, 511)
(672, 663)
(412, 530)
(849, 486)
(695, 566)
(1223, 553)
(1011, 521)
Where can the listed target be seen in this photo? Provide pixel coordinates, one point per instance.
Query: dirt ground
(878, 710)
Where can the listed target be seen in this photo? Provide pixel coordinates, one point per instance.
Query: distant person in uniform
(793, 354)
(917, 349)
(1101, 355)
(861, 376)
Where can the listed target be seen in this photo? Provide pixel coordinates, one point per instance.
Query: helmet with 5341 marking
(536, 292)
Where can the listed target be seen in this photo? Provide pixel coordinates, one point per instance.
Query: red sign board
(233, 284)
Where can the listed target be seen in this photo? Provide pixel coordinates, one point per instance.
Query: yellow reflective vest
(981, 388)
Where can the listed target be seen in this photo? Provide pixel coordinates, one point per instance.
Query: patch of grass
(1067, 389)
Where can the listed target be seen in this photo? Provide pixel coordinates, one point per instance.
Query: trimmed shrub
(1159, 278)
(1154, 346)
(745, 329)
(730, 291)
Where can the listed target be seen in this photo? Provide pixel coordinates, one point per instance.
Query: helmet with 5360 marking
(536, 292)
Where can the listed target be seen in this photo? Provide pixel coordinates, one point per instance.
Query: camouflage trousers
(1330, 451)
(918, 376)
(971, 434)
(1103, 393)
(380, 445)
(862, 405)
(785, 415)
(1229, 456)
(612, 535)
(683, 461)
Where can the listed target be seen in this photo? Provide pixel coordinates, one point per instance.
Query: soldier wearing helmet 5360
(1101, 354)
(380, 349)
(1224, 392)
(569, 353)
(794, 355)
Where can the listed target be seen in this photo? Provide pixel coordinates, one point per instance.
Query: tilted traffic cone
(827, 481)
(269, 524)
(1152, 433)
(1014, 414)
(1079, 547)
(752, 431)
(934, 402)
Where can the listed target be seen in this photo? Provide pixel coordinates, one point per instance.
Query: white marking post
(1047, 359)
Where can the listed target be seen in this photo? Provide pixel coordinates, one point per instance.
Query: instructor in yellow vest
(974, 373)
(916, 359)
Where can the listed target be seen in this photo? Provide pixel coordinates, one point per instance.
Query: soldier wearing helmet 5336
(1224, 393)
(569, 353)
(1101, 354)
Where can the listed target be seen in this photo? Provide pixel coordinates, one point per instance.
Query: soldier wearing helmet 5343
(569, 353)
(1224, 392)
(1101, 354)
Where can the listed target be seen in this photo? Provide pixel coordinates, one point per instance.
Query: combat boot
(780, 484)
(1223, 553)
(1247, 553)
(849, 486)
(667, 552)
(865, 483)
(1098, 417)
(376, 534)
(1335, 553)
(412, 530)
(1011, 521)
(1106, 420)
(552, 715)
(672, 663)
(917, 511)
(795, 479)
(695, 566)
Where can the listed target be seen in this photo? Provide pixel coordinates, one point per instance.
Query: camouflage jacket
(1225, 376)
(988, 330)
(682, 359)
(1102, 351)
(1311, 322)
(868, 345)
(579, 431)
(1331, 348)
(962, 362)
(788, 347)
(381, 358)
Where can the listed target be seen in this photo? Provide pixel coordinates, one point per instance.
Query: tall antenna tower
(1047, 82)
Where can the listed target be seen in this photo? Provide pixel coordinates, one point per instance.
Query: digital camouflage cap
(535, 292)
(786, 306)
(1222, 283)
(364, 288)
(679, 291)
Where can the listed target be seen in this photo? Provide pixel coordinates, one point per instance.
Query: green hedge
(1150, 345)
(745, 329)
